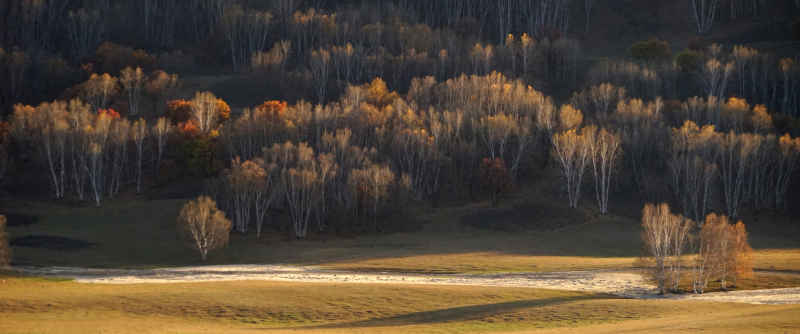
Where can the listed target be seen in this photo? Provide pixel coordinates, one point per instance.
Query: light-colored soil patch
(621, 283)
(768, 296)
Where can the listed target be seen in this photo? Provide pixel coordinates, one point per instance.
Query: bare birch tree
(704, 12)
(246, 31)
(204, 225)
(571, 149)
(605, 152)
(133, 81)
(716, 76)
(733, 158)
(139, 133)
(204, 111)
(788, 155)
(320, 70)
(160, 133)
(99, 90)
(692, 167)
(665, 237)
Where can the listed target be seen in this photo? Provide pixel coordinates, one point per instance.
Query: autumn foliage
(204, 227)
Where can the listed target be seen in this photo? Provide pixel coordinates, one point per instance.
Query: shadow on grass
(454, 314)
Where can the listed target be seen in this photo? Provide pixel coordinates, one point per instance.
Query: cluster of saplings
(676, 247)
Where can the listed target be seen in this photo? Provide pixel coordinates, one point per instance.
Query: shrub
(689, 61)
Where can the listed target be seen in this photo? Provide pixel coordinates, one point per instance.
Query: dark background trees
(419, 102)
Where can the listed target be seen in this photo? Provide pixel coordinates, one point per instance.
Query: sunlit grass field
(139, 233)
(33, 305)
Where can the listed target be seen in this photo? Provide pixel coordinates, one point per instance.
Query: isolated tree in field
(605, 152)
(5, 247)
(205, 226)
(139, 132)
(665, 238)
(133, 81)
(723, 253)
(743, 253)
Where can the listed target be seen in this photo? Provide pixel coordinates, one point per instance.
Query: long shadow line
(453, 314)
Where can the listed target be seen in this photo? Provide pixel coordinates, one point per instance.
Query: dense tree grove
(373, 107)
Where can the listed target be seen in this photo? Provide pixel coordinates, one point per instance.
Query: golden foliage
(204, 225)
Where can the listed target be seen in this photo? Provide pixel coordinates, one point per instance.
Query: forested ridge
(378, 108)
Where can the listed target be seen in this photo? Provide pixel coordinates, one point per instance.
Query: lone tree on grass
(204, 225)
(665, 237)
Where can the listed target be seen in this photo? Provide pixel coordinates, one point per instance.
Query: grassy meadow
(139, 233)
(34, 305)
(474, 238)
